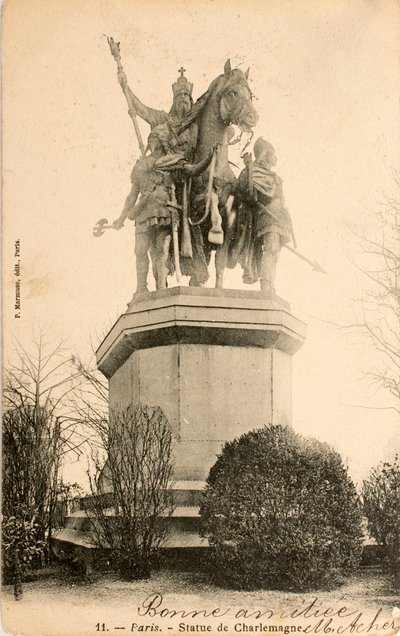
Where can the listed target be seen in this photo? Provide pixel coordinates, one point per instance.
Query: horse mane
(216, 85)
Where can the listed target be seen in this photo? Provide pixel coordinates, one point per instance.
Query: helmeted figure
(153, 178)
(183, 142)
(263, 223)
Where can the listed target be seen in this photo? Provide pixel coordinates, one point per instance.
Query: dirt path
(183, 602)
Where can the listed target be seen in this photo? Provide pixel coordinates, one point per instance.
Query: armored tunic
(152, 179)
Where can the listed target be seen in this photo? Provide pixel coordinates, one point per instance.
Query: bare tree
(138, 445)
(44, 380)
(39, 431)
(379, 309)
(90, 403)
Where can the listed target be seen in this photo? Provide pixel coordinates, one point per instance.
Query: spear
(115, 52)
(316, 266)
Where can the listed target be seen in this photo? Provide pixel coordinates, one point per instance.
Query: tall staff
(115, 52)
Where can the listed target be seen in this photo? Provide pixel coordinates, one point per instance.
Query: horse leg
(220, 262)
(221, 254)
(199, 268)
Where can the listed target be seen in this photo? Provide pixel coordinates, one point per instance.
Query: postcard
(200, 317)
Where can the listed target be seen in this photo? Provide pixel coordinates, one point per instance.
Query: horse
(227, 101)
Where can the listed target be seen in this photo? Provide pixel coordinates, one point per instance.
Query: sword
(210, 183)
(186, 241)
(248, 161)
(209, 191)
(175, 240)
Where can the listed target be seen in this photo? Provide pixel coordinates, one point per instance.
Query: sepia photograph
(201, 317)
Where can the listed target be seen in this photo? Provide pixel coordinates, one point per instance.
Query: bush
(381, 506)
(31, 456)
(280, 511)
(21, 548)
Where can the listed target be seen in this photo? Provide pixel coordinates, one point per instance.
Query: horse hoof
(267, 288)
(139, 293)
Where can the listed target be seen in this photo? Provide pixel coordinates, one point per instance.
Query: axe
(100, 227)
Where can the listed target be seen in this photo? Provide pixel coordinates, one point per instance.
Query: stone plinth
(218, 363)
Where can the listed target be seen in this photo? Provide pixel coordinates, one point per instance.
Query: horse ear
(247, 73)
(227, 68)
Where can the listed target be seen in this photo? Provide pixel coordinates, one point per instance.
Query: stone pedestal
(218, 363)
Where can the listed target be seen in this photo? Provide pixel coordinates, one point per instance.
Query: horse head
(228, 99)
(234, 98)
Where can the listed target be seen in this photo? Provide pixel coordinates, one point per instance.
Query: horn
(247, 73)
(227, 68)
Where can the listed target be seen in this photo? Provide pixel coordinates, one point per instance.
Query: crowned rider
(181, 142)
(153, 178)
(263, 222)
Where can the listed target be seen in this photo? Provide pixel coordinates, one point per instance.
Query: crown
(182, 85)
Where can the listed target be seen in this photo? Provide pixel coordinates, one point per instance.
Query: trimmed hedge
(280, 511)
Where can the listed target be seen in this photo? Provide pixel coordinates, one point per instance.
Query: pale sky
(326, 79)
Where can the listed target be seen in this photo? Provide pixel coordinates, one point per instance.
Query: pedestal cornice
(188, 315)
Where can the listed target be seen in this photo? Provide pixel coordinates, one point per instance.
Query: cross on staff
(181, 71)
